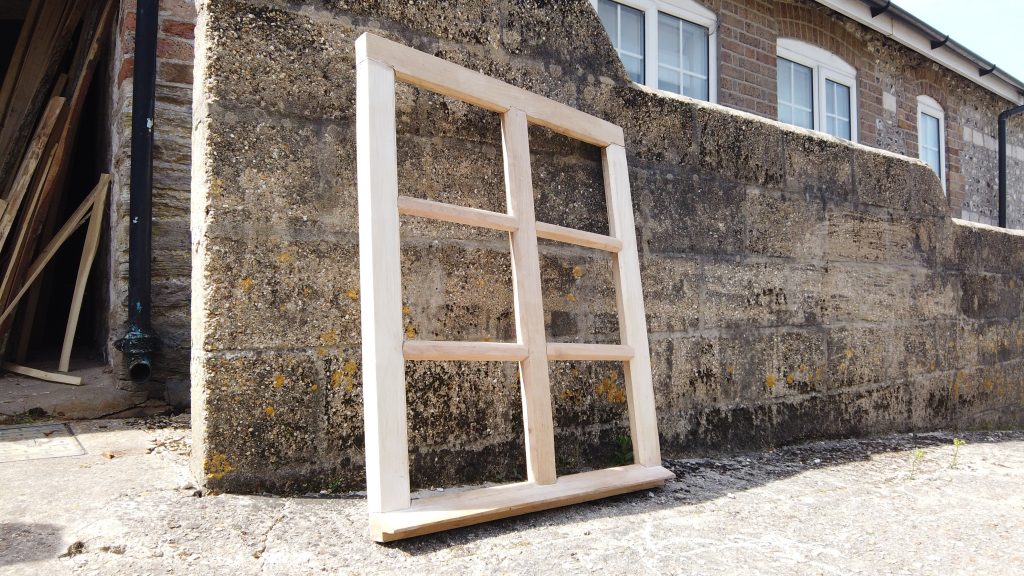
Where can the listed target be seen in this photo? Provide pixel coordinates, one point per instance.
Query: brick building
(845, 67)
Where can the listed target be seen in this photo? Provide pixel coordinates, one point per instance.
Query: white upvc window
(816, 89)
(664, 44)
(931, 136)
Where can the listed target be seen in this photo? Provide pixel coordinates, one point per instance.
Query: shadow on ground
(21, 543)
(700, 480)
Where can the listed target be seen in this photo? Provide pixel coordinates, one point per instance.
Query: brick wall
(890, 77)
(171, 190)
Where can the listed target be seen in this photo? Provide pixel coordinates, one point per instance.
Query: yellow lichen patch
(306, 290)
(285, 258)
(609, 388)
(728, 370)
(246, 284)
(314, 387)
(572, 396)
(789, 378)
(577, 272)
(278, 381)
(329, 338)
(769, 381)
(347, 374)
(570, 297)
(352, 294)
(849, 354)
(217, 466)
(406, 310)
(321, 351)
(410, 331)
(269, 410)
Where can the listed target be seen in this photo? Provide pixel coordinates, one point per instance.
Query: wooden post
(387, 452)
(529, 305)
(629, 296)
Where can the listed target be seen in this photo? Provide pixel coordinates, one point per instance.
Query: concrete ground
(894, 505)
(101, 394)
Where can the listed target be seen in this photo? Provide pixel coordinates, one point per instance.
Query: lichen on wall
(796, 286)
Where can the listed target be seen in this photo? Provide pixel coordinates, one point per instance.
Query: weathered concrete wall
(796, 286)
(172, 258)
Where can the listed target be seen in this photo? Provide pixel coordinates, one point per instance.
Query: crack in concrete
(258, 554)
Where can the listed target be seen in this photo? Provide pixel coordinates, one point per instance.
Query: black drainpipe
(139, 343)
(1004, 117)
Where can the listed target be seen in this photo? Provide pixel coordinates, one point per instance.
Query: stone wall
(796, 286)
(890, 77)
(172, 265)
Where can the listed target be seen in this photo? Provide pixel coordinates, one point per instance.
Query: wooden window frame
(394, 514)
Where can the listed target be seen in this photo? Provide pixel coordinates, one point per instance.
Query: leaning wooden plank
(17, 254)
(578, 237)
(92, 241)
(456, 214)
(437, 75)
(463, 351)
(28, 166)
(42, 375)
(597, 352)
(528, 300)
(437, 513)
(380, 281)
(77, 219)
(643, 421)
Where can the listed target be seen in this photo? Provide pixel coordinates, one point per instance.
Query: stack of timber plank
(41, 104)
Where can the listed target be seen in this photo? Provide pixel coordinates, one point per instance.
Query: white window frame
(688, 10)
(928, 105)
(824, 66)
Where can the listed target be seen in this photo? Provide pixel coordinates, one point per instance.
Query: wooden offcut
(394, 514)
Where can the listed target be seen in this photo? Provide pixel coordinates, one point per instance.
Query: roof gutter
(889, 19)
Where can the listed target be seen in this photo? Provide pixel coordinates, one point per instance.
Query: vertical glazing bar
(643, 422)
(384, 409)
(533, 372)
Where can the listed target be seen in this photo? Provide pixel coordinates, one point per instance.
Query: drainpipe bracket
(137, 341)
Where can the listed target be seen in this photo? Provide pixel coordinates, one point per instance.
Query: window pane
(634, 67)
(803, 117)
(785, 113)
(796, 101)
(695, 48)
(785, 83)
(837, 109)
(842, 99)
(668, 79)
(695, 87)
(931, 143)
(631, 22)
(802, 86)
(608, 12)
(669, 47)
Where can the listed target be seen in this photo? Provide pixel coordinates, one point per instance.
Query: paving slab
(902, 504)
